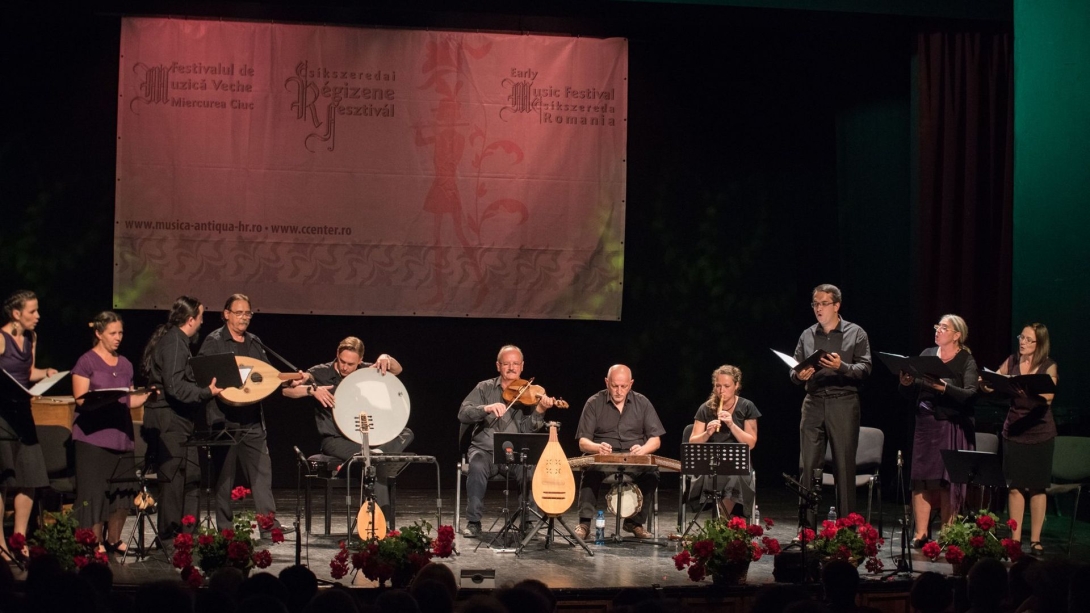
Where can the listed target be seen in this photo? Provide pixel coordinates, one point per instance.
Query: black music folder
(1033, 385)
(920, 366)
(96, 399)
(221, 366)
(811, 360)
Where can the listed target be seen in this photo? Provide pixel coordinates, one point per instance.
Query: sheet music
(42, 386)
(790, 361)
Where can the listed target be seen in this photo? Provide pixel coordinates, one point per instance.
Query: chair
(1070, 466)
(56, 443)
(749, 495)
(988, 443)
(868, 462)
(325, 470)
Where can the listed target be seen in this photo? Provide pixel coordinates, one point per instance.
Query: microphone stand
(303, 465)
(809, 500)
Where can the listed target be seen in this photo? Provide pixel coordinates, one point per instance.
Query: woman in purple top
(103, 435)
(22, 465)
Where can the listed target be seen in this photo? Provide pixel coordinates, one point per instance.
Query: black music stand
(206, 440)
(974, 468)
(135, 543)
(714, 460)
(526, 450)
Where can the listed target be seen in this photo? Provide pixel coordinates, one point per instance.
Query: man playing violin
(483, 413)
(320, 383)
(618, 420)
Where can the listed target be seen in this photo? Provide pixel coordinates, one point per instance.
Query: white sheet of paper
(46, 383)
(790, 361)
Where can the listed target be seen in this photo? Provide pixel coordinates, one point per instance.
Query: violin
(525, 392)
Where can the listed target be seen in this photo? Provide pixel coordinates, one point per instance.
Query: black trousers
(833, 420)
(176, 465)
(251, 452)
(481, 469)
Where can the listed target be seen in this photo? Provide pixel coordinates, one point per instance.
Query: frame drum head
(382, 397)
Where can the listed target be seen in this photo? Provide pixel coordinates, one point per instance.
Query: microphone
(299, 454)
(509, 450)
(817, 481)
(900, 461)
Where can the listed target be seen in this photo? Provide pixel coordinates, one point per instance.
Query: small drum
(382, 397)
(629, 496)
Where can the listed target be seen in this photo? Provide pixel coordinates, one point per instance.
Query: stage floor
(612, 567)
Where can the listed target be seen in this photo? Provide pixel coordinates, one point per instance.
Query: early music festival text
(239, 227)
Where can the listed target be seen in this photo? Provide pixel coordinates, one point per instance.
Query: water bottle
(756, 515)
(832, 514)
(600, 528)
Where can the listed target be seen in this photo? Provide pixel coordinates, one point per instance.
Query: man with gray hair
(483, 413)
(830, 411)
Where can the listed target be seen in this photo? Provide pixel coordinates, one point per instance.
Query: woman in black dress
(1029, 436)
(22, 465)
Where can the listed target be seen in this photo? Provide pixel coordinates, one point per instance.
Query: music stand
(207, 440)
(714, 460)
(526, 450)
(974, 468)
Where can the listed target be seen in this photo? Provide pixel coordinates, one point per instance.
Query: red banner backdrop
(379, 172)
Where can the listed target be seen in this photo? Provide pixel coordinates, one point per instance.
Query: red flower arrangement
(397, 557)
(849, 538)
(212, 549)
(74, 547)
(967, 540)
(723, 544)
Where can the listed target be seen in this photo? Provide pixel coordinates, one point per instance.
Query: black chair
(56, 444)
(868, 462)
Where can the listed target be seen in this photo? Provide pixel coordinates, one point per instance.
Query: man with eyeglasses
(319, 383)
(484, 412)
(830, 411)
(246, 424)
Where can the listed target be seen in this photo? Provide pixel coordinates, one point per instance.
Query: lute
(259, 379)
(370, 521)
(554, 483)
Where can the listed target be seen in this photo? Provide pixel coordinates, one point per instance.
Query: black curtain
(966, 186)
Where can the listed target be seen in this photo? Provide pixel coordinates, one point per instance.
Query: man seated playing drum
(320, 383)
(619, 420)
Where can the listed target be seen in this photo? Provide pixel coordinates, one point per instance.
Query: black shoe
(920, 542)
(1036, 549)
(472, 530)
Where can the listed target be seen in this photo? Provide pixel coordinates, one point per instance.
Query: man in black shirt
(483, 413)
(830, 411)
(618, 420)
(320, 383)
(245, 423)
(170, 415)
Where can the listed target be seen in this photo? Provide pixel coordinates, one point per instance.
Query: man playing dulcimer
(617, 419)
(485, 412)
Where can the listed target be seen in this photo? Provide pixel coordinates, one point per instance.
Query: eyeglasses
(1026, 339)
(942, 328)
(245, 314)
(510, 364)
(815, 305)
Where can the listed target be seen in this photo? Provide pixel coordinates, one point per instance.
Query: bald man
(618, 420)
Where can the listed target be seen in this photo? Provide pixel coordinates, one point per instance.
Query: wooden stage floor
(613, 567)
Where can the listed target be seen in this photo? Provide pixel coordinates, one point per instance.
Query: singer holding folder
(103, 435)
(484, 412)
(830, 411)
(943, 421)
(1029, 435)
(169, 417)
(22, 465)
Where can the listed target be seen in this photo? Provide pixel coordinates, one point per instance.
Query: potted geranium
(723, 549)
(213, 549)
(849, 538)
(395, 558)
(61, 536)
(969, 539)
